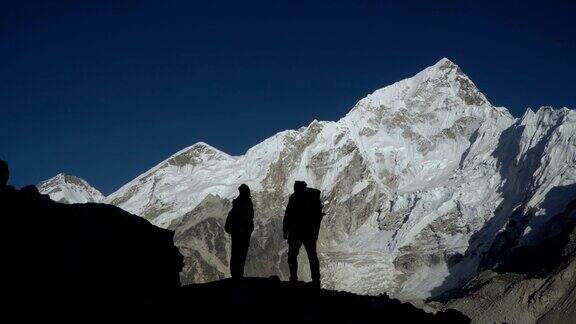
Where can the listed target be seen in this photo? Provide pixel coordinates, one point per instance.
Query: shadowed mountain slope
(531, 283)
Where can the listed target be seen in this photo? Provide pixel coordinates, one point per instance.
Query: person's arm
(287, 218)
(251, 215)
(228, 224)
(230, 219)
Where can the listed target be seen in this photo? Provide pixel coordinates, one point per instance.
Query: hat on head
(244, 190)
(299, 185)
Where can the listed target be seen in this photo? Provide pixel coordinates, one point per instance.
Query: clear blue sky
(106, 89)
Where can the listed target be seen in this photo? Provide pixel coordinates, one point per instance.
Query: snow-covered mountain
(420, 179)
(69, 189)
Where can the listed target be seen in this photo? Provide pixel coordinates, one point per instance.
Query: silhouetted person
(3, 174)
(301, 226)
(240, 224)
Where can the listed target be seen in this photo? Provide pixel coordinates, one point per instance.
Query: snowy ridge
(252, 167)
(438, 82)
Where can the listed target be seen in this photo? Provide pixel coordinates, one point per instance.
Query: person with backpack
(301, 225)
(240, 224)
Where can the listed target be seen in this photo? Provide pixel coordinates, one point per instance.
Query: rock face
(69, 189)
(419, 180)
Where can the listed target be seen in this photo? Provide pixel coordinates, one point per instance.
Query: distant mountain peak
(67, 178)
(69, 189)
(448, 74)
(445, 60)
(195, 154)
(444, 64)
(440, 86)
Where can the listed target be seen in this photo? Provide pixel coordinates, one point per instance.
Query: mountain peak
(62, 178)
(445, 63)
(202, 144)
(545, 115)
(439, 86)
(69, 189)
(67, 178)
(200, 147)
(443, 70)
(196, 153)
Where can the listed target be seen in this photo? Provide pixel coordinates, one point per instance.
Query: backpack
(315, 203)
(315, 208)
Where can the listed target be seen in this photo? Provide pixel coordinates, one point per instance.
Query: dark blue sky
(106, 89)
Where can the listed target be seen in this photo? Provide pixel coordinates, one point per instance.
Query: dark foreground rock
(61, 255)
(269, 300)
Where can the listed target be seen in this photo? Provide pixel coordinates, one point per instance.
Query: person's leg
(233, 257)
(242, 254)
(310, 246)
(293, 250)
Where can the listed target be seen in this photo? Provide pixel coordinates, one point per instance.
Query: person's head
(299, 186)
(3, 173)
(244, 190)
